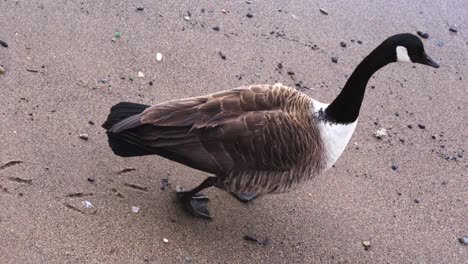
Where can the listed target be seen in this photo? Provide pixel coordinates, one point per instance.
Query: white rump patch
(335, 136)
(402, 54)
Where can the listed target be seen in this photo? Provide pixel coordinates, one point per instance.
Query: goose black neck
(345, 108)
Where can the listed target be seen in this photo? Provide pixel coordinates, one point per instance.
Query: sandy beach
(66, 198)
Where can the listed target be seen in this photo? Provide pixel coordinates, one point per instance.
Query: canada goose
(257, 139)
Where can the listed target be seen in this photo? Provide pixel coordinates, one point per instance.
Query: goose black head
(409, 48)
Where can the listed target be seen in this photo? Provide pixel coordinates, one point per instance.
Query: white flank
(335, 136)
(402, 54)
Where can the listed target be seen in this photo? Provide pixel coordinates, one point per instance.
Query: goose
(256, 139)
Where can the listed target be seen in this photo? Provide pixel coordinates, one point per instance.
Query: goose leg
(244, 197)
(197, 203)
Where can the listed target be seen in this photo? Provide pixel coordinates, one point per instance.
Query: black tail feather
(129, 144)
(125, 144)
(121, 111)
(130, 141)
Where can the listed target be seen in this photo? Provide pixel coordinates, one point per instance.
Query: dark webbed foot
(196, 204)
(244, 197)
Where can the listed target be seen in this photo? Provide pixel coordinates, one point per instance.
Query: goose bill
(426, 60)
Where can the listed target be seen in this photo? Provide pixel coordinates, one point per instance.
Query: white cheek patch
(402, 54)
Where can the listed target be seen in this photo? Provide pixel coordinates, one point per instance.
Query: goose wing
(242, 128)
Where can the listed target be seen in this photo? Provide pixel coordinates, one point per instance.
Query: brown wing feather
(254, 128)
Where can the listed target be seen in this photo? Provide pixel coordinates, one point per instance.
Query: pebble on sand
(423, 35)
(380, 133)
(117, 34)
(2, 70)
(342, 44)
(394, 167)
(249, 15)
(164, 184)
(140, 8)
(87, 204)
(463, 240)
(135, 209)
(216, 28)
(334, 59)
(84, 136)
(366, 244)
(158, 56)
(165, 240)
(252, 238)
(453, 28)
(222, 55)
(421, 126)
(323, 11)
(3, 44)
(141, 74)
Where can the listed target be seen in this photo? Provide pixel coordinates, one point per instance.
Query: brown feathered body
(256, 139)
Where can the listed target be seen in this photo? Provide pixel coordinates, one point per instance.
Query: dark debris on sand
(252, 238)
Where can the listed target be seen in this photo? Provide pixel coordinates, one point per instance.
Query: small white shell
(158, 56)
(87, 204)
(366, 244)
